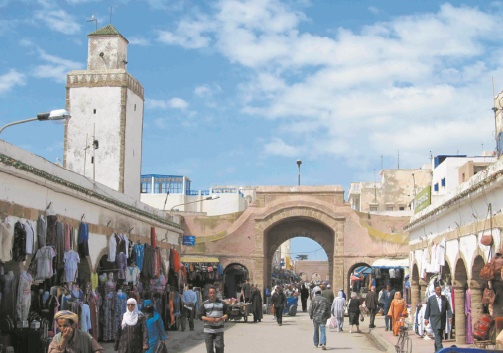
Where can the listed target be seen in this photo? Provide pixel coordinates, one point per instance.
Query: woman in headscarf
(396, 312)
(132, 334)
(338, 308)
(354, 312)
(155, 326)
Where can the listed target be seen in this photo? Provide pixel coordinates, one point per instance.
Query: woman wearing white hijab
(132, 334)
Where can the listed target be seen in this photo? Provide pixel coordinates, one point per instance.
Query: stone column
(477, 309)
(459, 304)
(414, 295)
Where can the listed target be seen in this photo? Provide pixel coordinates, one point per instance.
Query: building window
(373, 208)
(145, 187)
(401, 208)
(435, 187)
(443, 182)
(94, 111)
(389, 208)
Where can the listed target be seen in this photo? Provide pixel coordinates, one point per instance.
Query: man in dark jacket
(304, 294)
(278, 300)
(438, 309)
(372, 304)
(319, 312)
(328, 294)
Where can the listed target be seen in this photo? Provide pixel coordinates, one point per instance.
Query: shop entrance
(235, 276)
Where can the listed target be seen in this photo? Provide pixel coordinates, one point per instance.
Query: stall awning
(390, 263)
(195, 258)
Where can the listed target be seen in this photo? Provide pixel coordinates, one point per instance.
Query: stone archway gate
(280, 213)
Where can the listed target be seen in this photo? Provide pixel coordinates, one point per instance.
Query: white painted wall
(470, 212)
(31, 190)
(448, 169)
(114, 49)
(104, 125)
(133, 145)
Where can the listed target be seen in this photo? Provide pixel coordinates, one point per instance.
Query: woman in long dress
(155, 326)
(354, 312)
(396, 312)
(338, 308)
(132, 334)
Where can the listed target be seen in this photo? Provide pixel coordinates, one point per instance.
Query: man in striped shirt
(213, 313)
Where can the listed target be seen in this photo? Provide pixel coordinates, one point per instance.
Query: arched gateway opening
(293, 227)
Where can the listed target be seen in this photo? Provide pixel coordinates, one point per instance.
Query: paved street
(294, 336)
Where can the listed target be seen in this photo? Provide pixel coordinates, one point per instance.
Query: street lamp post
(299, 162)
(58, 114)
(213, 197)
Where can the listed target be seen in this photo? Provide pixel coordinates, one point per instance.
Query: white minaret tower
(103, 139)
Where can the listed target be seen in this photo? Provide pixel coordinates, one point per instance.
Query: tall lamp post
(58, 114)
(299, 162)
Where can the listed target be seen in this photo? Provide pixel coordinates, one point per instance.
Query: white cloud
(141, 41)
(278, 147)
(58, 20)
(207, 90)
(55, 68)
(11, 79)
(173, 103)
(374, 10)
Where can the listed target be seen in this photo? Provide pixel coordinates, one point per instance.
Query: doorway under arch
(356, 278)
(235, 276)
(298, 226)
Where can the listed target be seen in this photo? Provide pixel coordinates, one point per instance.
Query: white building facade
(452, 226)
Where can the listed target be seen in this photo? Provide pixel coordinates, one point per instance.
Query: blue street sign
(189, 240)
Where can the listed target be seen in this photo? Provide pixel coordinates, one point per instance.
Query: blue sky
(237, 91)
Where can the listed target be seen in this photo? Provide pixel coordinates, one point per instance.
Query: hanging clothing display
(44, 258)
(108, 311)
(112, 248)
(6, 240)
(51, 230)
(71, 259)
(41, 230)
(83, 240)
(9, 284)
(138, 254)
(24, 296)
(19, 244)
(121, 262)
(30, 237)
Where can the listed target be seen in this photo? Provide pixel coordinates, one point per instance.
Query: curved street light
(212, 197)
(58, 114)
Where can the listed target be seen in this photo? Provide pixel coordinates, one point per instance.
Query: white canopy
(384, 262)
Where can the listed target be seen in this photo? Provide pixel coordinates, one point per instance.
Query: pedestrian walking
(256, 304)
(372, 304)
(155, 326)
(132, 334)
(328, 294)
(387, 297)
(304, 294)
(319, 312)
(278, 301)
(354, 312)
(213, 312)
(189, 300)
(338, 309)
(438, 309)
(397, 312)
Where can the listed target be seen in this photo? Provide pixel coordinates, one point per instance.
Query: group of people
(438, 310)
(138, 332)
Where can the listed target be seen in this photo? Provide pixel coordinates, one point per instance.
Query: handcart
(238, 310)
(291, 306)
